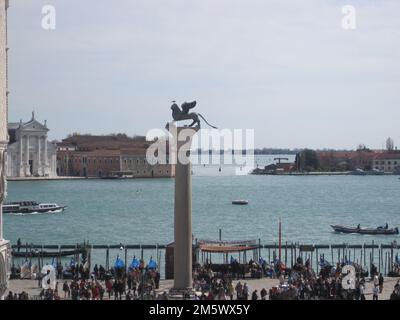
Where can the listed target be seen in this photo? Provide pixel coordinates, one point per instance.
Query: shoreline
(316, 173)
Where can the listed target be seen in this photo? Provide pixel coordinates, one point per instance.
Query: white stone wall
(39, 168)
(3, 72)
(4, 261)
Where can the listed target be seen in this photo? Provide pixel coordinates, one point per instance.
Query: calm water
(141, 211)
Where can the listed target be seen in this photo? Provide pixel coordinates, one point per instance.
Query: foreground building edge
(4, 245)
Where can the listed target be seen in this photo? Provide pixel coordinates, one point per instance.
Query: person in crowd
(362, 289)
(66, 289)
(375, 292)
(239, 291)
(229, 289)
(245, 291)
(263, 294)
(380, 282)
(109, 287)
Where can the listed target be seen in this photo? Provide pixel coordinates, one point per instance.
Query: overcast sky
(286, 69)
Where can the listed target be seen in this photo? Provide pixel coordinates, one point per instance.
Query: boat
(371, 231)
(375, 172)
(359, 172)
(47, 254)
(240, 202)
(24, 207)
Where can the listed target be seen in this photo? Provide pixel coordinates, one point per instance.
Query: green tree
(307, 160)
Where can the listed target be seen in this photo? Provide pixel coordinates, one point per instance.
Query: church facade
(29, 153)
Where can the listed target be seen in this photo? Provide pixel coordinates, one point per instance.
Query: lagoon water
(138, 211)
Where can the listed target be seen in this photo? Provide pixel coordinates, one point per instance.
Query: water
(141, 210)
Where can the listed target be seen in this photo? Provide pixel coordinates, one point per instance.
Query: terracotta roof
(95, 153)
(388, 156)
(346, 154)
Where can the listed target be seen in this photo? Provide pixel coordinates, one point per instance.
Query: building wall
(103, 156)
(4, 245)
(138, 165)
(31, 154)
(3, 72)
(103, 163)
(387, 165)
(383, 161)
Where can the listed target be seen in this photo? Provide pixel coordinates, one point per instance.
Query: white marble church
(29, 154)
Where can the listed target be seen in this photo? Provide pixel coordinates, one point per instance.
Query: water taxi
(25, 207)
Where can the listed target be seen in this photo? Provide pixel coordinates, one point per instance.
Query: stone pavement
(31, 287)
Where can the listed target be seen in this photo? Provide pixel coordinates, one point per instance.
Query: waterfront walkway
(31, 287)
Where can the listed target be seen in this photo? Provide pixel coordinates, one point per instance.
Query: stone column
(3, 183)
(27, 167)
(21, 141)
(46, 159)
(183, 211)
(39, 164)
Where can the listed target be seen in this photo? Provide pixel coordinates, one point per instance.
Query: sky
(285, 68)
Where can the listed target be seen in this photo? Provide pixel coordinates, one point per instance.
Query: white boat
(25, 207)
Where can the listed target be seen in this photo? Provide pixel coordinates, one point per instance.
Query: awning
(225, 249)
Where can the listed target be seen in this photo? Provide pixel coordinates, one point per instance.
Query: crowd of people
(300, 282)
(297, 283)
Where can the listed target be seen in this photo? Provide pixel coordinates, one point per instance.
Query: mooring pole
(286, 253)
(365, 256)
(126, 259)
(280, 240)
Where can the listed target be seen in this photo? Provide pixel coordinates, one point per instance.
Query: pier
(382, 256)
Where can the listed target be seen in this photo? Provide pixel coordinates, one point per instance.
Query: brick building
(365, 160)
(107, 156)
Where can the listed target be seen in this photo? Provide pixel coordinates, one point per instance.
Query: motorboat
(371, 231)
(359, 172)
(25, 207)
(240, 202)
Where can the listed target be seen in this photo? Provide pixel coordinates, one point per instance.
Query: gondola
(47, 254)
(376, 231)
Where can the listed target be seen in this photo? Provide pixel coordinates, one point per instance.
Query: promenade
(31, 287)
